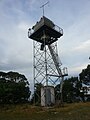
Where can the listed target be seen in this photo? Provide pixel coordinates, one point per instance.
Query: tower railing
(55, 27)
(58, 29)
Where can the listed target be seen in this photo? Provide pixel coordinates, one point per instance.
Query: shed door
(48, 97)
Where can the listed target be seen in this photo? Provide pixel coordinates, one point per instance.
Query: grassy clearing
(77, 111)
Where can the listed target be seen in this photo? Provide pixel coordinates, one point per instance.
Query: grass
(76, 111)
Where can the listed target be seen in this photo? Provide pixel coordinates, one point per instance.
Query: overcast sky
(16, 16)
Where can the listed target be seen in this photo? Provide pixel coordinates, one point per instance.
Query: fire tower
(47, 65)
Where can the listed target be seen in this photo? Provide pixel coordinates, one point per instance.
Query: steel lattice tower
(46, 63)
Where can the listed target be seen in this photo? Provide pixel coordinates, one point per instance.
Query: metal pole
(45, 50)
(46, 65)
(44, 6)
(61, 89)
(34, 68)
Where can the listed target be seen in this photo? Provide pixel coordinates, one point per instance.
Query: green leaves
(85, 75)
(14, 88)
(71, 89)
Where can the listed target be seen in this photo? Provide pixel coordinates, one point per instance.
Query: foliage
(71, 89)
(14, 88)
(85, 75)
(85, 78)
(36, 98)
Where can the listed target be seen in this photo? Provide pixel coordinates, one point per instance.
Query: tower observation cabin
(45, 31)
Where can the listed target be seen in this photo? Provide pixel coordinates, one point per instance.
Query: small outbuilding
(47, 96)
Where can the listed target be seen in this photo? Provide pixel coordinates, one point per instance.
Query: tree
(36, 98)
(14, 88)
(85, 75)
(85, 78)
(71, 89)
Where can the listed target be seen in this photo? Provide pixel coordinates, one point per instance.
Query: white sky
(16, 16)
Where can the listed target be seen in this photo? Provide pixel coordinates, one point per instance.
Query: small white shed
(47, 96)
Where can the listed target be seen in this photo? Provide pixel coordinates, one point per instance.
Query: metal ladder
(57, 64)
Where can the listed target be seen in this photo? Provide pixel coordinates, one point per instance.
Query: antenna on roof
(44, 6)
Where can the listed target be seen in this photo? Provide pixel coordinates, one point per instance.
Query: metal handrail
(57, 28)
